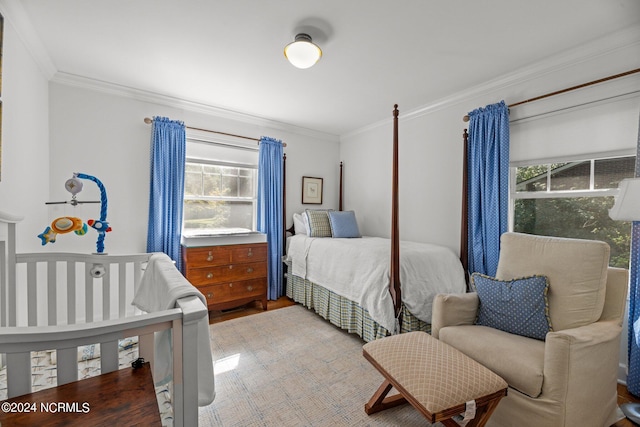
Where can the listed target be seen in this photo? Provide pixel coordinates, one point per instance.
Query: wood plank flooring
(220, 316)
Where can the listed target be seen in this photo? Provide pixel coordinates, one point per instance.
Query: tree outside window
(572, 199)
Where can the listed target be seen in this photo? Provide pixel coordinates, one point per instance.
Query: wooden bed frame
(394, 284)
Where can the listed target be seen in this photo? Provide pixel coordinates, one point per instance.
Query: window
(572, 199)
(220, 198)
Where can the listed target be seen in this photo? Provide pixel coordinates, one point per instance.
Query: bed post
(464, 222)
(340, 201)
(394, 285)
(284, 204)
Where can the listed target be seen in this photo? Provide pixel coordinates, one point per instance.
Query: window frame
(552, 194)
(213, 162)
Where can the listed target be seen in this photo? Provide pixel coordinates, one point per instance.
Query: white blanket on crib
(161, 286)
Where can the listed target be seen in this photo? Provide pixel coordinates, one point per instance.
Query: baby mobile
(67, 224)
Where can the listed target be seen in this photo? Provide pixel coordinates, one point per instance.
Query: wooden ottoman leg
(379, 401)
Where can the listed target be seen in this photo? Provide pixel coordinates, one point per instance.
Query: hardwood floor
(625, 397)
(253, 308)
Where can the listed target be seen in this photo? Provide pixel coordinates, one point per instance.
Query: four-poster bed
(356, 282)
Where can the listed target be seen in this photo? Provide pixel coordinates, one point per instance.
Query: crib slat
(11, 271)
(108, 356)
(32, 294)
(52, 300)
(18, 374)
(71, 292)
(122, 289)
(106, 293)
(88, 294)
(67, 361)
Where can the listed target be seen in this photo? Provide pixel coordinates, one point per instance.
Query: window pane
(211, 217)
(246, 187)
(609, 172)
(531, 178)
(211, 185)
(193, 183)
(230, 186)
(581, 217)
(571, 176)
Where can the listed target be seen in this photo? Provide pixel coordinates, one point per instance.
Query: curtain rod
(547, 95)
(148, 121)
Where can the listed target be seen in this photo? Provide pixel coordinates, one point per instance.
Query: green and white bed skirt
(345, 313)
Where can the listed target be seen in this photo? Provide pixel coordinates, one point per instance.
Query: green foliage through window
(573, 200)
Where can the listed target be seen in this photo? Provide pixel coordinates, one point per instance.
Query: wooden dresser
(228, 275)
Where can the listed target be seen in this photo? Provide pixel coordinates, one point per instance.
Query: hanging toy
(62, 225)
(67, 224)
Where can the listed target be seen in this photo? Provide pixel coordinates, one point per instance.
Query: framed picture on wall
(311, 190)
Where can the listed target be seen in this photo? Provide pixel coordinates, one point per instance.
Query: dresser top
(223, 239)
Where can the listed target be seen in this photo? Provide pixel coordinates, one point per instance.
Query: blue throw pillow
(517, 306)
(343, 224)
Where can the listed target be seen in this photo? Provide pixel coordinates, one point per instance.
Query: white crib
(62, 301)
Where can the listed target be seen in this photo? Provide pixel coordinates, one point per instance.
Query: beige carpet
(289, 367)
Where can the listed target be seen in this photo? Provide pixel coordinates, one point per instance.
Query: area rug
(290, 367)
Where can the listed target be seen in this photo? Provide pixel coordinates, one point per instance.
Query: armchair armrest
(583, 358)
(453, 310)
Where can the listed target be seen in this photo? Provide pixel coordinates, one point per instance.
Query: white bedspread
(359, 269)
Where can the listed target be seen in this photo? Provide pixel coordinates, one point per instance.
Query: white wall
(431, 141)
(25, 138)
(101, 133)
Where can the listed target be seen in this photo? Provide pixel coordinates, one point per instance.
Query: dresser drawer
(202, 257)
(232, 291)
(226, 273)
(249, 253)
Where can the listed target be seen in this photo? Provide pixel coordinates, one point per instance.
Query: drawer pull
(209, 275)
(249, 288)
(231, 267)
(250, 253)
(209, 295)
(231, 285)
(250, 270)
(210, 257)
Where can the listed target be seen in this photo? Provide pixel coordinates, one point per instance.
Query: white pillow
(299, 226)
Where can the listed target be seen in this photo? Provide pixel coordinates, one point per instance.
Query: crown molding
(14, 14)
(621, 40)
(196, 107)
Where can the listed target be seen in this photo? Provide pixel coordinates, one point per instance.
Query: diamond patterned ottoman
(438, 380)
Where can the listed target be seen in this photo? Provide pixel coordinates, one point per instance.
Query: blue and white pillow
(343, 224)
(517, 306)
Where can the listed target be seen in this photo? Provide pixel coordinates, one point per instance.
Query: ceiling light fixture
(302, 53)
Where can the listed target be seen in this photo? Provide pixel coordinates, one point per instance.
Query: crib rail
(62, 301)
(18, 343)
(46, 289)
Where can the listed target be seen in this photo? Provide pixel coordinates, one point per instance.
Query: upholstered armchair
(569, 378)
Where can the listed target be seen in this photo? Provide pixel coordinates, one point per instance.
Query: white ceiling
(229, 53)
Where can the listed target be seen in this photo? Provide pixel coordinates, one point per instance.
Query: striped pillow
(319, 225)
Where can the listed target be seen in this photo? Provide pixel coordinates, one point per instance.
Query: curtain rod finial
(465, 118)
(147, 120)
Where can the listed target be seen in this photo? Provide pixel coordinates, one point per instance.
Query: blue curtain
(488, 185)
(270, 170)
(166, 194)
(633, 377)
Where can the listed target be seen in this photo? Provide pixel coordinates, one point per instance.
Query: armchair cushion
(519, 360)
(576, 270)
(517, 306)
